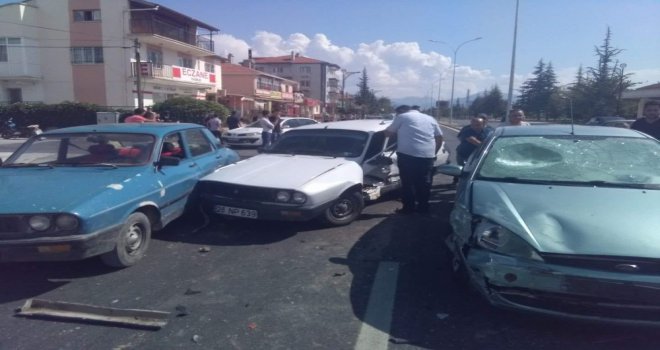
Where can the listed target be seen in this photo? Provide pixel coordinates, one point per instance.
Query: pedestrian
(215, 125)
(471, 137)
(516, 118)
(277, 126)
(266, 129)
(137, 116)
(650, 124)
(419, 139)
(233, 121)
(150, 117)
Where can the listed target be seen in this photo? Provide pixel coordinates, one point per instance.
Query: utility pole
(509, 102)
(138, 73)
(345, 75)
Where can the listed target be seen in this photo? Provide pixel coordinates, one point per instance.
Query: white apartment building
(84, 51)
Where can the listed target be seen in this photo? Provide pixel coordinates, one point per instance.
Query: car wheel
(344, 210)
(132, 242)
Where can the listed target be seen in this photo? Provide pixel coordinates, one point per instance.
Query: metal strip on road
(375, 331)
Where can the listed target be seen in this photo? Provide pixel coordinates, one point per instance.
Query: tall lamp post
(618, 101)
(453, 75)
(344, 75)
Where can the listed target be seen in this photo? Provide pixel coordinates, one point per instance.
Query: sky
(391, 38)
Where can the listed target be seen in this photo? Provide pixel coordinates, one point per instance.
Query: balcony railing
(179, 33)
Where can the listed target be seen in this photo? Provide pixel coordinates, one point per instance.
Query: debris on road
(204, 249)
(338, 274)
(84, 312)
(181, 311)
(196, 338)
(252, 325)
(191, 292)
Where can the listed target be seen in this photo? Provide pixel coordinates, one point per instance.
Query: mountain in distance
(422, 101)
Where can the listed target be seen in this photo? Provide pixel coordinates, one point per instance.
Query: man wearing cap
(418, 140)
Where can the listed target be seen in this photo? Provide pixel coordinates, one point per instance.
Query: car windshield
(580, 160)
(84, 149)
(322, 142)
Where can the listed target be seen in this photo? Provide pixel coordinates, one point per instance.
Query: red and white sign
(192, 75)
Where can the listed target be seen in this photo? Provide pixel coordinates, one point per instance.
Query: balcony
(177, 37)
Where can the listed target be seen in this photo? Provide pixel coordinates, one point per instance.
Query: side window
(391, 143)
(291, 123)
(197, 142)
(305, 122)
(375, 145)
(172, 146)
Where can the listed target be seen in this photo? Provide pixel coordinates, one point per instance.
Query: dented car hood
(574, 219)
(277, 170)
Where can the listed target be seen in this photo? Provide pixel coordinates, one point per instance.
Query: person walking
(266, 129)
(215, 125)
(419, 138)
(277, 126)
(650, 124)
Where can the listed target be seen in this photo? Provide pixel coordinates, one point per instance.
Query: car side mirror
(450, 169)
(168, 161)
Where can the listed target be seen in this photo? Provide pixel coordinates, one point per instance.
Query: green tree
(365, 96)
(190, 110)
(538, 95)
(490, 102)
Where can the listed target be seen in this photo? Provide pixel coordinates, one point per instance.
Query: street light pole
(509, 102)
(453, 75)
(618, 101)
(345, 75)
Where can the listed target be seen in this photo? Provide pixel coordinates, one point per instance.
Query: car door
(176, 181)
(377, 163)
(206, 154)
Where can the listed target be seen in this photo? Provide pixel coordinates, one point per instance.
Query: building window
(278, 70)
(306, 69)
(15, 95)
(209, 67)
(86, 15)
(304, 83)
(3, 53)
(4, 43)
(155, 57)
(86, 55)
(186, 61)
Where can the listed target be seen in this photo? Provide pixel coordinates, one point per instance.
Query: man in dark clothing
(650, 124)
(471, 137)
(232, 121)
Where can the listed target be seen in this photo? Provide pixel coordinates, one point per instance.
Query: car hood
(47, 190)
(276, 170)
(575, 220)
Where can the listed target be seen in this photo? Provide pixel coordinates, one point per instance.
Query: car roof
(366, 125)
(565, 129)
(159, 129)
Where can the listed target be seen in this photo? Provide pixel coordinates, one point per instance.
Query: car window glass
(375, 145)
(306, 122)
(290, 123)
(322, 142)
(197, 142)
(172, 146)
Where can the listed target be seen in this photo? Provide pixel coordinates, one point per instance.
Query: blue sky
(391, 37)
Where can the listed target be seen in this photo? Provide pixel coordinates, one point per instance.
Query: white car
(324, 171)
(250, 135)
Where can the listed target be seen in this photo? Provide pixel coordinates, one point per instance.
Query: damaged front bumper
(563, 291)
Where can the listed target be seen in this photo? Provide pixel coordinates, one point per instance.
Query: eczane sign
(192, 75)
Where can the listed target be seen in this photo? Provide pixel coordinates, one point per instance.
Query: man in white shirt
(418, 140)
(516, 118)
(266, 129)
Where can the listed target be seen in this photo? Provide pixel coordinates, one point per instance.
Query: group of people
(271, 127)
(142, 116)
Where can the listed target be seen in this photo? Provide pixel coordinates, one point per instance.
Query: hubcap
(133, 239)
(342, 208)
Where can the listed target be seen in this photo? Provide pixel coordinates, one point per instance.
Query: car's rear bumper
(75, 247)
(569, 292)
(265, 211)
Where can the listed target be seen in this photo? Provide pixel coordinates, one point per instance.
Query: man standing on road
(215, 125)
(233, 121)
(650, 124)
(266, 129)
(471, 136)
(418, 140)
(516, 118)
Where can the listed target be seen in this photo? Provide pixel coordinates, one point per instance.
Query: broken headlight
(494, 237)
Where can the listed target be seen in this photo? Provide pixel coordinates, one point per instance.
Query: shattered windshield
(575, 160)
(84, 149)
(322, 142)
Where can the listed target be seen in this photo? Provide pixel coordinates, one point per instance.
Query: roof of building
(649, 87)
(293, 59)
(149, 4)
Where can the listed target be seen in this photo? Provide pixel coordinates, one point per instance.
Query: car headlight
(283, 196)
(299, 197)
(496, 238)
(251, 134)
(39, 222)
(66, 222)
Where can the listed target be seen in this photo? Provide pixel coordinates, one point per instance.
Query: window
(4, 43)
(278, 69)
(306, 69)
(86, 55)
(304, 83)
(15, 95)
(86, 15)
(155, 57)
(209, 67)
(3, 53)
(375, 145)
(197, 142)
(172, 146)
(186, 61)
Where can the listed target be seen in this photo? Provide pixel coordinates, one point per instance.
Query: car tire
(344, 210)
(132, 242)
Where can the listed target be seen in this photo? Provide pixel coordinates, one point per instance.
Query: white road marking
(375, 331)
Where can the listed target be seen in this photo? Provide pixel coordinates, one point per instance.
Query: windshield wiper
(601, 183)
(28, 165)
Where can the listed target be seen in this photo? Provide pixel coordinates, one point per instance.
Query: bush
(50, 116)
(189, 110)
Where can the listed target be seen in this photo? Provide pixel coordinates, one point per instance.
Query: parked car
(324, 171)
(561, 222)
(619, 123)
(251, 135)
(603, 120)
(93, 190)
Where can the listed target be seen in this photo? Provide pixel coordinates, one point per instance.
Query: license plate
(232, 211)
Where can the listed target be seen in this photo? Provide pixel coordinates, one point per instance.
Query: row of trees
(595, 91)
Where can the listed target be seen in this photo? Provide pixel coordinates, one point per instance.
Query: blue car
(78, 192)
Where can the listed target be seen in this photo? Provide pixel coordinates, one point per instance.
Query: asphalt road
(382, 282)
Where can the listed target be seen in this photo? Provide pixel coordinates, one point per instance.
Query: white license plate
(240, 212)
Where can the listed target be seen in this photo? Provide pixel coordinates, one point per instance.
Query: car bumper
(242, 141)
(563, 291)
(75, 247)
(265, 211)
